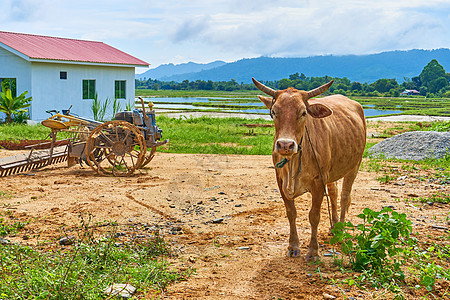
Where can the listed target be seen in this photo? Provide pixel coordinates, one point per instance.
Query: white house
(60, 72)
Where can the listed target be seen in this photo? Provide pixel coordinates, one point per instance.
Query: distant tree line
(433, 81)
(209, 85)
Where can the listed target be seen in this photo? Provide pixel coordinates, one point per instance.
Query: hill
(168, 70)
(362, 68)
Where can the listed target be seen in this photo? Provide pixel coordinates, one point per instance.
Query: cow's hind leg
(333, 195)
(346, 198)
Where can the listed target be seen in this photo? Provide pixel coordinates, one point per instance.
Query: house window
(62, 75)
(88, 89)
(8, 84)
(119, 91)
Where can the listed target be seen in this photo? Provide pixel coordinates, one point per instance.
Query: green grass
(409, 105)
(86, 269)
(216, 135)
(17, 131)
(10, 229)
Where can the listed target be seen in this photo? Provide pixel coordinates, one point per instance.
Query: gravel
(415, 145)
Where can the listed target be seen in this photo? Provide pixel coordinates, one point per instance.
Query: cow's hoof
(293, 253)
(312, 256)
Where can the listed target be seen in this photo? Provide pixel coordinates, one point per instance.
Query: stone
(4, 241)
(119, 289)
(328, 296)
(217, 221)
(67, 240)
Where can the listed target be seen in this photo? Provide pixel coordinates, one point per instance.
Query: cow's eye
(304, 114)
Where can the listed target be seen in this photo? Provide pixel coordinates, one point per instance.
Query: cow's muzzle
(286, 146)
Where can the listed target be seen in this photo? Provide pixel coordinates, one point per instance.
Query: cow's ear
(319, 110)
(266, 100)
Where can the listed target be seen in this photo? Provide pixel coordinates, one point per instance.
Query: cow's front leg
(293, 249)
(314, 218)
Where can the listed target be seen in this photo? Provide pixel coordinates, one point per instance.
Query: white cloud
(204, 30)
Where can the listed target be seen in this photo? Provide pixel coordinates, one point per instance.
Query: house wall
(13, 66)
(50, 92)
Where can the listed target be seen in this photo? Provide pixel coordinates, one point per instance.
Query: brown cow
(336, 127)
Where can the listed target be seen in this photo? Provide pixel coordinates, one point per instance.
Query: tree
(385, 85)
(356, 86)
(13, 105)
(431, 72)
(437, 84)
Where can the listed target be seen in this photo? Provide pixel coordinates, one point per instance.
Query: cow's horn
(320, 89)
(264, 88)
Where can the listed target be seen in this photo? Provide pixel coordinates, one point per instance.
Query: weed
(386, 178)
(84, 270)
(377, 246)
(382, 247)
(5, 195)
(116, 107)
(10, 229)
(443, 198)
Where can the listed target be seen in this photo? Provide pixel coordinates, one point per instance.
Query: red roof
(63, 49)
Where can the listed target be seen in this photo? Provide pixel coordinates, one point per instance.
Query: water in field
(230, 105)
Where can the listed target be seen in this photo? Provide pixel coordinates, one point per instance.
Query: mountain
(163, 71)
(361, 68)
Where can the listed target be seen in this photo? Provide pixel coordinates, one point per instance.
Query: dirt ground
(224, 217)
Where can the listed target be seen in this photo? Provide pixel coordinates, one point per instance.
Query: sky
(202, 31)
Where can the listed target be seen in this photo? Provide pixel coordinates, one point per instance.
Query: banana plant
(13, 105)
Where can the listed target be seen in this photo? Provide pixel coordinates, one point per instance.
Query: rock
(221, 193)
(331, 252)
(67, 240)
(119, 289)
(402, 178)
(217, 221)
(415, 145)
(244, 248)
(4, 241)
(175, 228)
(328, 296)
(238, 205)
(439, 227)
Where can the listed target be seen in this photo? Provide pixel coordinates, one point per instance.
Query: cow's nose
(285, 146)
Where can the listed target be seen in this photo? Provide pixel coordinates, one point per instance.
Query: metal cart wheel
(115, 148)
(149, 157)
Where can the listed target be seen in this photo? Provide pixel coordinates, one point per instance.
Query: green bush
(378, 246)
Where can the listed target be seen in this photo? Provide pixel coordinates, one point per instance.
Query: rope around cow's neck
(284, 161)
(321, 176)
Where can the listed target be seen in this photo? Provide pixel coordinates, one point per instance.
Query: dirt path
(222, 212)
